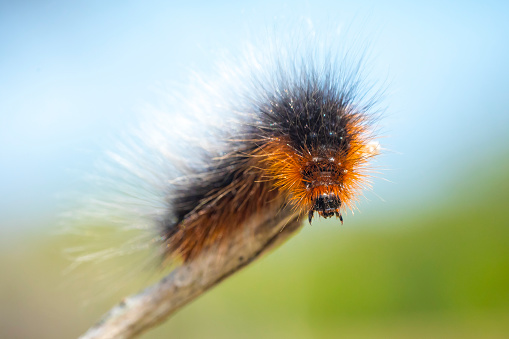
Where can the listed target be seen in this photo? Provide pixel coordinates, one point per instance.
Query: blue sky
(74, 74)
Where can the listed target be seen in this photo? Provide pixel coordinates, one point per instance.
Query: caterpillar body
(288, 129)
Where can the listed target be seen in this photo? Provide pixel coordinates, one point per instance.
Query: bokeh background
(426, 256)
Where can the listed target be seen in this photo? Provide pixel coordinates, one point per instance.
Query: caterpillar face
(320, 176)
(326, 205)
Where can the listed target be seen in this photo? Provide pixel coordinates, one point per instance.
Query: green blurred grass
(440, 270)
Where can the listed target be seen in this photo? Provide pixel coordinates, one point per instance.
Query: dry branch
(140, 312)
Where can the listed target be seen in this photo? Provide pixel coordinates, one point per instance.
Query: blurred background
(426, 255)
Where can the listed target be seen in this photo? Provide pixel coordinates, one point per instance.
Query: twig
(140, 312)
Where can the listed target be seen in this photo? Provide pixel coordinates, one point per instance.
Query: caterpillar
(277, 128)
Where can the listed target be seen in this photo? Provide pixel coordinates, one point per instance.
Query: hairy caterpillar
(278, 128)
(304, 140)
(279, 135)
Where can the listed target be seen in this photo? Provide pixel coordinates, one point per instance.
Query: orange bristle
(344, 170)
